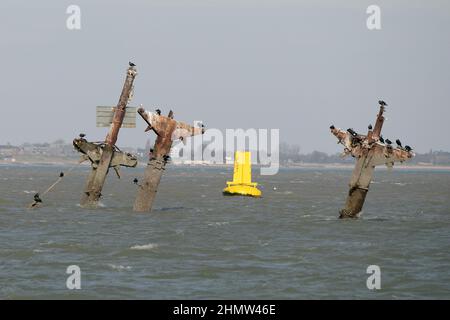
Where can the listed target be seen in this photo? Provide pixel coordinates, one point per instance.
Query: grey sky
(294, 65)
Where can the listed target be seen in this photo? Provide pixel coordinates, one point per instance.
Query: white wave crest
(119, 267)
(149, 246)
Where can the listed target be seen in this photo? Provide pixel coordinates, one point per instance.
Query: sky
(296, 66)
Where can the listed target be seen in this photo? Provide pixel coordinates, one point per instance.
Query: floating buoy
(242, 177)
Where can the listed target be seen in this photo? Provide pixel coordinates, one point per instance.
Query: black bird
(370, 127)
(408, 148)
(398, 142)
(352, 132)
(151, 150)
(37, 198)
(166, 158)
(61, 174)
(388, 141)
(82, 135)
(131, 64)
(135, 181)
(332, 127)
(158, 112)
(381, 139)
(382, 103)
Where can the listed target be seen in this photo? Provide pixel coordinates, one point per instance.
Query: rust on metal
(167, 130)
(119, 113)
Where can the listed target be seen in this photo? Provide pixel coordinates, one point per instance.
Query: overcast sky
(298, 66)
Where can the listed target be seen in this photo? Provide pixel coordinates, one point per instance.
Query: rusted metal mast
(167, 131)
(370, 151)
(106, 155)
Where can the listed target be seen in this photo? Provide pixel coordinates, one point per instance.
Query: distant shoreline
(283, 166)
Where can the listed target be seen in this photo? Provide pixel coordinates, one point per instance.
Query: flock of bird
(355, 135)
(381, 139)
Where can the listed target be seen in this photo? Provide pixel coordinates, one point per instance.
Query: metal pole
(97, 177)
(370, 150)
(157, 162)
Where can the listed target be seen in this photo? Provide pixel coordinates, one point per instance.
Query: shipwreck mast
(167, 130)
(370, 151)
(106, 155)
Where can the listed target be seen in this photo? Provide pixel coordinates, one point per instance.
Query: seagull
(370, 127)
(398, 142)
(332, 127)
(131, 64)
(82, 135)
(382, 103)
(408, 148)
(388, 141)
(158, 112)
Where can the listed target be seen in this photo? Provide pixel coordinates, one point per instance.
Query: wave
(119, 267)
(149, 246)
(218, 224)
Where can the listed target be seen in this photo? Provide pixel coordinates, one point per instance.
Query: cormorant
(398, 142)
(352, 132)
(158, 112)
(382, 103)
(370, 127)
(332, 127)
(381, 139)
(37, 198)
(61, 174)
(166, 158)
(131, 64)
(135, 181)
(82, 135)
(408, 148)
(388, 141)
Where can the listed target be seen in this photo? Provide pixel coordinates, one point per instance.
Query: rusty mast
(105, 155)
(370, 151)
(167, 130)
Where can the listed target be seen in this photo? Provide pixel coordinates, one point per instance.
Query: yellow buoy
(242, 177)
